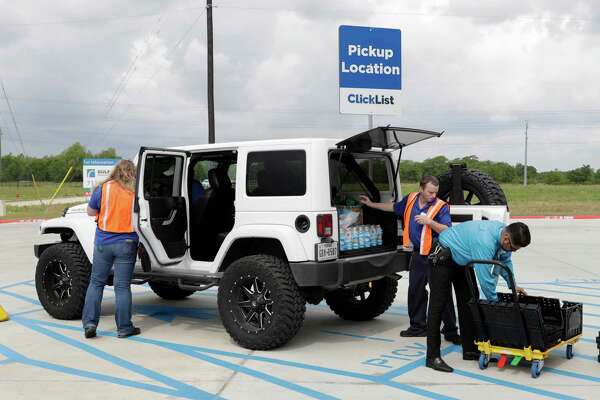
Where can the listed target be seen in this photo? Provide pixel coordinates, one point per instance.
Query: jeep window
(276, 173)
(162, 176)
(201, 168)
(361, 173)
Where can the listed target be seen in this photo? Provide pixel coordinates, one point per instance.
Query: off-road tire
(476, 183)
(70, 258)
(287, 305)
(169, 291)
(380, 297)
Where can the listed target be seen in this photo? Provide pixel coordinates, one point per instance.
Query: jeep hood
(385, 138)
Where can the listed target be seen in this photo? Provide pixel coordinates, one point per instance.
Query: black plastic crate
(497, 322)
(573, 319)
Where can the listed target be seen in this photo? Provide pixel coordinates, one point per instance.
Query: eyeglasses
(511, 247)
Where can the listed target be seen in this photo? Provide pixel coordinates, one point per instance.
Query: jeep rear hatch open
(385, 138)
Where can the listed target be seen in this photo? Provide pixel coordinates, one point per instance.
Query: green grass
(26, 191)
(540, 199)
(37, 211)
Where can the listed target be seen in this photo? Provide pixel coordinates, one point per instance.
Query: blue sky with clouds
(132, 73)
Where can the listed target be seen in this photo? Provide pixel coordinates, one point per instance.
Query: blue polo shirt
(479, 240)
(415, 229)
(103, 237)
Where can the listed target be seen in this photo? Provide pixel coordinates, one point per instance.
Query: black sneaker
(90, 332)
(135, 331)
(410, 332)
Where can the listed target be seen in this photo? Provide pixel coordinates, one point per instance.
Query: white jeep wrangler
(265, 230)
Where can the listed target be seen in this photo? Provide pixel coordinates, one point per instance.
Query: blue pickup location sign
(370, 70)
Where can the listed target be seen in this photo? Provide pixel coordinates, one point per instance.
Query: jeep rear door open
(385, 138)
(160, 207)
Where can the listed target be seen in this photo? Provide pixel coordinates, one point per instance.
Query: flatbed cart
(524, 327)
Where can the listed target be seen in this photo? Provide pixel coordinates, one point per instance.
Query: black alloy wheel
(57, 282)
(255, 305)
(62, 276)
(260, 304)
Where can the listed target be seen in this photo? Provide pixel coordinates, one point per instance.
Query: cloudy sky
(130, 73)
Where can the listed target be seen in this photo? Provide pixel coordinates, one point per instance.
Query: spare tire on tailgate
(478, 188)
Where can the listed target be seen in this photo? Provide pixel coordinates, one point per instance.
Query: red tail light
(324, 225)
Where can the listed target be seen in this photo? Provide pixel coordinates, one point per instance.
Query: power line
(12, 115)
(131, 69)
(347, 11)
(97, 20)
(175, 46)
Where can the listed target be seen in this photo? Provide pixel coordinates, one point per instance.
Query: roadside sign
(370, 70)
(96, 170)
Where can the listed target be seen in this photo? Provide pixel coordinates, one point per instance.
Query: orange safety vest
(116, 207)
(426, 233)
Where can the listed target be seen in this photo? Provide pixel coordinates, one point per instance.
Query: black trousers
(443, 277)
(418, 278)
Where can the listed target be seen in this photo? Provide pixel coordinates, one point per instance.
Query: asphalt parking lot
(184, 352)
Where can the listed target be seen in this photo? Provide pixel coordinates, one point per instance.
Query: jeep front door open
(160, 208)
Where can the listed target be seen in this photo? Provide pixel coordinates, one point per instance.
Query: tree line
(53, 168)
(50, 168)
(502, 172)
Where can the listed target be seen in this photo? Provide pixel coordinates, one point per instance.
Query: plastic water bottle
(354, 236)
(373, 235)
(369, 236)
(361, 237)
(343, 240)
(379, 235)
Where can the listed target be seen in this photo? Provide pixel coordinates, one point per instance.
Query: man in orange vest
(424, 216)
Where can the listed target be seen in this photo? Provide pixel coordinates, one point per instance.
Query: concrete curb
(18, 221)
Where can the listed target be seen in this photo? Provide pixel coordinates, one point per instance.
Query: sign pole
(209, 69)
(370, 121)
(525, 167)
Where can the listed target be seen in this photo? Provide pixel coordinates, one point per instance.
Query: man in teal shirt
(473, 240)
(480, 240)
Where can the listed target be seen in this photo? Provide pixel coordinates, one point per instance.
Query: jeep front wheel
(62, 276)
(169, 291)
(364, 301)
(259, 302)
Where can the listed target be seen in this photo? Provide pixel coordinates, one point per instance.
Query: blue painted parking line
(415, 364)
(194, 351)
(204, 354)
(16, 284)
(512, 385)
(358, 336)
(18, 358)
(20, 297)
(576, 375)
(597, 327)
(27, 312)
(182, 389)
(560, 291)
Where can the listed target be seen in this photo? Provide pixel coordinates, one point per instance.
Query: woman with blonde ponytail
(115, 245)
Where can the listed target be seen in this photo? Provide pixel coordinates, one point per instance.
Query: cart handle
(511, 278)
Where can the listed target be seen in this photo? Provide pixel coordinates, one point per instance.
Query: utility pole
(525, 169)
(209, 81)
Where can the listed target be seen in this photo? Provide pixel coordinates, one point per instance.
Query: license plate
(327, 251)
